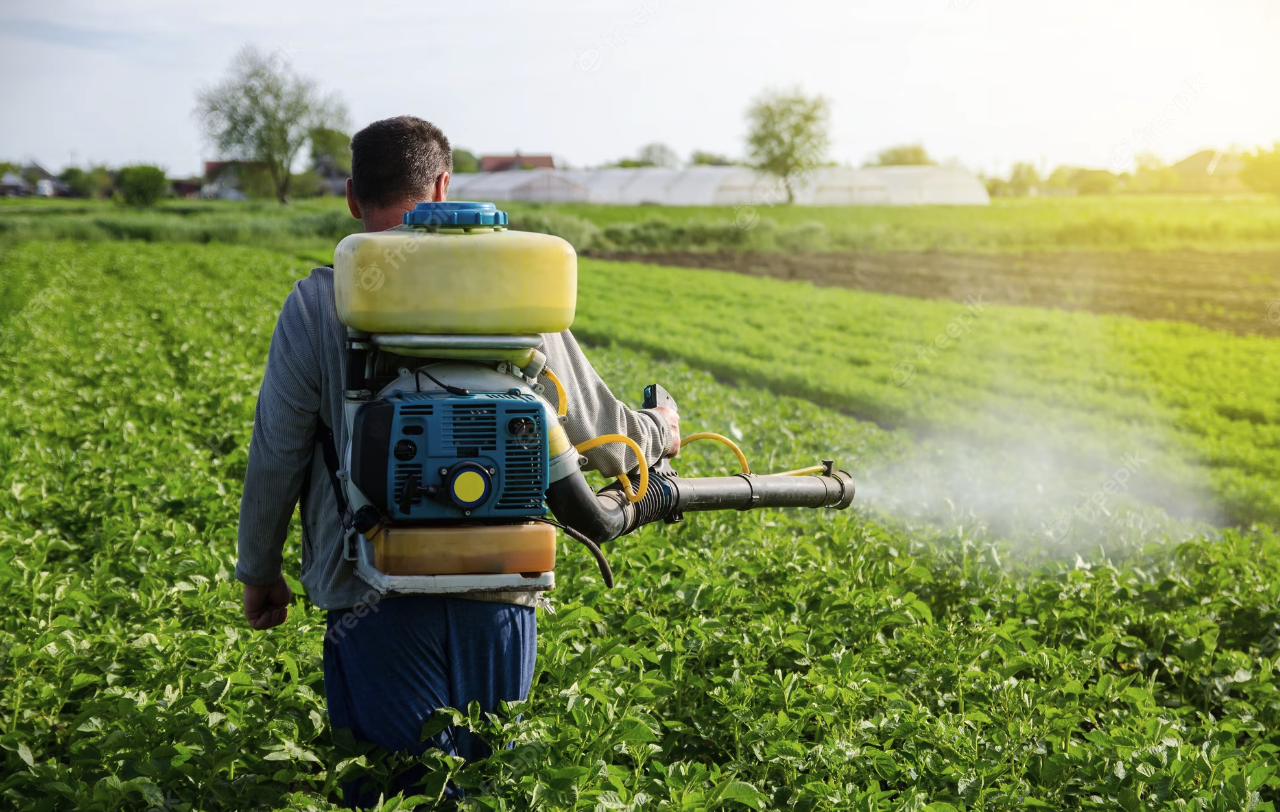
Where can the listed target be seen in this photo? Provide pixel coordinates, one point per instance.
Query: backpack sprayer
(454, 454)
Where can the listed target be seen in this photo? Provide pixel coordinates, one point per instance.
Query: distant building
(12, 185)
(224, 179)
(1211, 170)
(188, 188)
(35, 172)
(728, 186)
(503, 163)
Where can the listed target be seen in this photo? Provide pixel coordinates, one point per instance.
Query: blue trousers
(387, 671)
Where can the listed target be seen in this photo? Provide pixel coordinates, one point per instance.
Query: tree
(465, 161)
(265, 112)
(903, 155)
(1083, 181)
(142, 185)
(1261, 171)
(700, 158)
(79, 182)
(996, 186)
(1095, 182)
(1024, 179)
(788, 135)
(330, 151)
(657, 154)
(1150, 174)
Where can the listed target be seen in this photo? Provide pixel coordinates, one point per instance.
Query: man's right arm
(284, 431)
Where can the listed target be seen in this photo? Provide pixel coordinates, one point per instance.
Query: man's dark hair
(397, 159)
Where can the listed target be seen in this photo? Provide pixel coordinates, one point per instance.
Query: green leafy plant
(771, 661)
(142, 185)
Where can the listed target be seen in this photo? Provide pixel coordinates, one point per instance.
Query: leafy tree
(265, 112)
(330, 151)
(903, 155)
(996, 186)
(93, 182)
(1083, 181)
(465, 161)
(788, 135)
(657, 154)
(79, 182)
(1261, 171)
(1024, 179)
(142, 185)
(700, 158)
(1096, 182)
(1153, 175)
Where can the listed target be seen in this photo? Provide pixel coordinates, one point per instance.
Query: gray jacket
(303, 386)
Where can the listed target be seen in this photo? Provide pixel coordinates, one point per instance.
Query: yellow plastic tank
(465, 549)
(454, 269)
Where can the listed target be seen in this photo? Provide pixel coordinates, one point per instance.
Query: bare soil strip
(1236, 292)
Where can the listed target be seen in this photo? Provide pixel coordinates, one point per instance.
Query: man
(388, 664)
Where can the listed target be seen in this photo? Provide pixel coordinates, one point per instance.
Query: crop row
(1087, 389)
(779, 660)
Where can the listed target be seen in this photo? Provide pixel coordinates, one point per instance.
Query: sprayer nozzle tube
(745, 491)
(606, 515)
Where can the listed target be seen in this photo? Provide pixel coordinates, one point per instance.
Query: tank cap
(455, 214)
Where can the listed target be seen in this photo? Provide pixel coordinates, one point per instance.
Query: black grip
(655, 396)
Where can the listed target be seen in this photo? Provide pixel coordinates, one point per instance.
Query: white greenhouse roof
(727, 186)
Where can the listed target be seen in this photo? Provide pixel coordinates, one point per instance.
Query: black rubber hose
(606, 571)
(600, 517)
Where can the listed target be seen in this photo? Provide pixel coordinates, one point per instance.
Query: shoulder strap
(324, 436)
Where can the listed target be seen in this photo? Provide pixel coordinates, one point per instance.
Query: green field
(1008, 224)
(774, 660)
(973, 635)
(1245, 222)
(1082, 388)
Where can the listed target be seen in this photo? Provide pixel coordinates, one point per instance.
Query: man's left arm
(593, 410)
(280, 452)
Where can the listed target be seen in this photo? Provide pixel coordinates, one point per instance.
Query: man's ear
(442, 188)
(351, 201)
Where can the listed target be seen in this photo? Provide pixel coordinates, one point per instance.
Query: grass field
(1047, 224)
(1073, 389)
(772, 660)
(1035, 224)
(1236, 291)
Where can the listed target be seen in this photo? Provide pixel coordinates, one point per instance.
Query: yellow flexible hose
(707, 435)
(604, 439)
(562, 399)
(812, 469)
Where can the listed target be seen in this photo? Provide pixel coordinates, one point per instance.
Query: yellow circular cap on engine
(470, 487)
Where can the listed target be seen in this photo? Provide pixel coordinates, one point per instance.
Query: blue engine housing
(445, 447)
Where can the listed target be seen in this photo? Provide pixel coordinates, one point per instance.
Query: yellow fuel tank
(455, 280)
(465, 549)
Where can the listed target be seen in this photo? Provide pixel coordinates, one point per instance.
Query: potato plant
(773, 660)
(1087, 388)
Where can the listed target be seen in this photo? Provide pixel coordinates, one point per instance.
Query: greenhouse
(727, 186)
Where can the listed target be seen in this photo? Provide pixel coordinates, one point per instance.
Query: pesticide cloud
(1033, 492)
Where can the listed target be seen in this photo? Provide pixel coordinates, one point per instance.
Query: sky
(983, 82)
